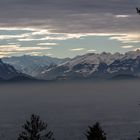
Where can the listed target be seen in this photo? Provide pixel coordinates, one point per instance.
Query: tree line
(36, 129)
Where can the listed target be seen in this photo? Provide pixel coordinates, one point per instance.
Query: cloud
(43, 38)
(122, 16)
(40, 32)
(18, 48)
(33, 34)
(127, 38)
(39, 53)
(5, 37)
(127, 46)
(60, 36)
(43, 35)
(48, 54)
(77, 49)
(47, 44)
(17, 28)
(91, 50)
(31, 39)
(73, 16)
(12, 49)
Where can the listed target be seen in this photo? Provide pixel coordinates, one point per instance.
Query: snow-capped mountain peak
(97, 65)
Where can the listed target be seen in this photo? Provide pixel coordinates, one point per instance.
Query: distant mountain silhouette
(96, 66)
(32, 65)
(124, 77)
(21, 78)
(89, 66)
(7, 71)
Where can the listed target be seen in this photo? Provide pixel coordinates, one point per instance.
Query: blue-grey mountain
(32, 65)
(93, 66)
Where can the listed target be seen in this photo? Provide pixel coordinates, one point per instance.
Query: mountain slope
(91, 66)
(9, 73)
(32, 65)
(124, 77)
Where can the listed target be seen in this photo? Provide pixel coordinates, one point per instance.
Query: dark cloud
(71, 15)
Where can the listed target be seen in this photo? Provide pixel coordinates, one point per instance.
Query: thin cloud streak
(6, 50)
(127, 46)
(77, 49)
(123, 16)
(47, 44)
(91, 50)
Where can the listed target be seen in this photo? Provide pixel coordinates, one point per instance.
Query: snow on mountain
(94, 59)
(90, 65)
(7, 71)
(32, 65)
(9, 74)
(96, 65)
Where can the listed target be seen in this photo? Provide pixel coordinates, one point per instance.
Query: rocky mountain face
(9, 74)
(7, 71)
(92, 66)
(32, 65)
(88, 66)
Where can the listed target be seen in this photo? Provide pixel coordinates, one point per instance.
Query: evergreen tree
(35, 129)
(95, 133)
(138, 137)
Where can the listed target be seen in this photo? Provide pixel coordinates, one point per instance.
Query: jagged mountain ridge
(32, 65)
(91, 66)
(9, 73)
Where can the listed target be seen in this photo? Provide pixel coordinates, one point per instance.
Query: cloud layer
(43, 26)
(73, 16)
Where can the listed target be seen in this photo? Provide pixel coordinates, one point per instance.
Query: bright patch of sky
(26, 42)
(43, 42)
(68, 28)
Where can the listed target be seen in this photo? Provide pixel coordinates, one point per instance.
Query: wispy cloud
(92, 50)
(127, 46)
(46, 35)
(18, 48)
(39, 53)
(10, 49)
(17, 29)
(31, 39)
(47, 44)
(127, 38)
(122, 16)
(4, 37)
(77, 49)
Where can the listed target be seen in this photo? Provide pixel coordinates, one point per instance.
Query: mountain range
(88, 66)
(9, 73)
(32, 65)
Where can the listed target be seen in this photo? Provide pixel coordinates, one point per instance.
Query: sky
(67, 28)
